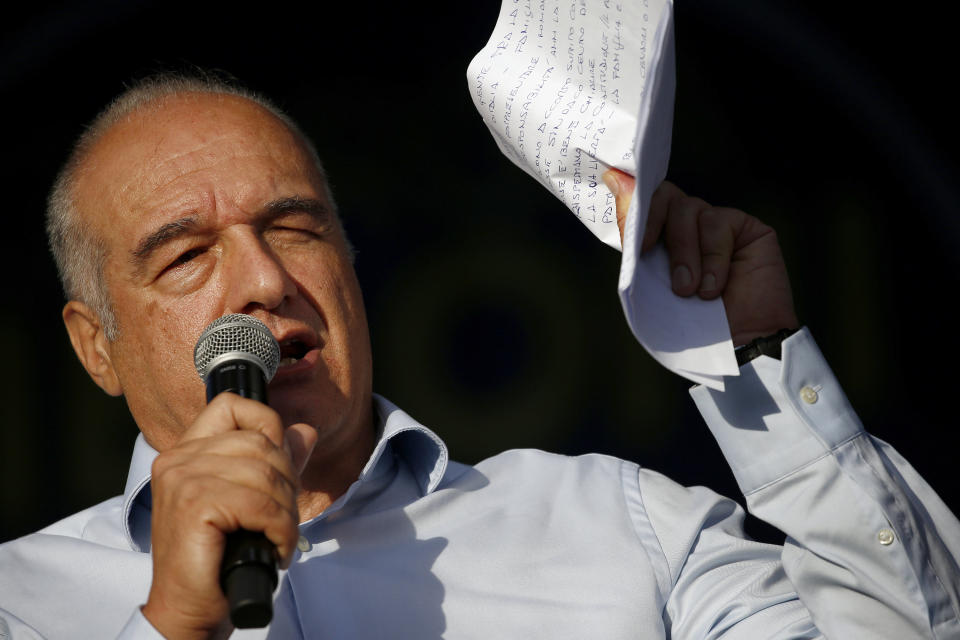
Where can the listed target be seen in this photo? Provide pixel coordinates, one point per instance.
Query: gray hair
(81, 255)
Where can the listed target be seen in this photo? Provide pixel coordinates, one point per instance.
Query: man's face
(209, 205)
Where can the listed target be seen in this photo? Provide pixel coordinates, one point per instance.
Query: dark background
(494, 314)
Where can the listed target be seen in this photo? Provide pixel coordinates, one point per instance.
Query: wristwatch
(765, 346)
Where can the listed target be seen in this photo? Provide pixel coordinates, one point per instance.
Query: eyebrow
(274, 209)
(167, 232)
(316, 209)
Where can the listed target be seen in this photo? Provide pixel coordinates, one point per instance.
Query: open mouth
(291, 351)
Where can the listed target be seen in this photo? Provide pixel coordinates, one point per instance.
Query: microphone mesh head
(237, 336)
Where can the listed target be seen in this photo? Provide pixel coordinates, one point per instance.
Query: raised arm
(871, 551)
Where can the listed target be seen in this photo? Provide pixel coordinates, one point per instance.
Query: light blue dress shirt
(533, 545)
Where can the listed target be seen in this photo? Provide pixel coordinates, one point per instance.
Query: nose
(254, 276)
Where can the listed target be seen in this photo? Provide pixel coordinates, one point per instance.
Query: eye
(292, 234)
(186, 257)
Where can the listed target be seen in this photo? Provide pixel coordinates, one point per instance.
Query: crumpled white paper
(569, 90)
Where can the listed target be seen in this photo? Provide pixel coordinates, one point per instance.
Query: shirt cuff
(139, 628)
(778, 416)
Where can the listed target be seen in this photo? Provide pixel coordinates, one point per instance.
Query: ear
(91, 345)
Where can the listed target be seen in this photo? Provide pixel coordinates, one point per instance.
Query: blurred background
(494, 314)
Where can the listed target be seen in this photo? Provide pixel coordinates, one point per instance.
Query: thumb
(621, 186)
(299, 440)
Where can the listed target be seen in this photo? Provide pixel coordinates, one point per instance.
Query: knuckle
(175, 475)
(265, 504)
(690, 207)
(715, 256)
(260, 442)
(160, 465)
(188, 496)
(710, 218)
(669, 190)
(167, 468)
(272, 475)
(757, 230)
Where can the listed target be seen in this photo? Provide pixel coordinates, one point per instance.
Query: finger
(274, 477)
(229, 412)
(666, 193)
(261, 476)
(240, 446)
(222, 497)
(299, 440)
(621, 186)
(238, 507)
(719, 228)
(259, 467)
(681, 237)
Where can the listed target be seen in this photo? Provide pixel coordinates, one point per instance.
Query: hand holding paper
(570, 90)
(716, 251)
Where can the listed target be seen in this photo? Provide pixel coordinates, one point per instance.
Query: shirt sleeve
(137, 628)
(870, 550)
(13, 628)
(715, 582)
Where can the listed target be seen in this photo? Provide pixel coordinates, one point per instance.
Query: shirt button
(885, 536)
(303, 544)
(808, 395)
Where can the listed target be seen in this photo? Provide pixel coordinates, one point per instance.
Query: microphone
(237, 353)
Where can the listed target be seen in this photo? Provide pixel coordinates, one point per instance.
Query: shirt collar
(136, 496)
(420, 448)
(423, 450)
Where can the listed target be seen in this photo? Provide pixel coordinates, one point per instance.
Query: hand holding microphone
(237, 353)
(233, 470)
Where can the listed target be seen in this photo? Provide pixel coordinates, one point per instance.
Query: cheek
(332, 290)
(354, 342)
(158, 347)
(342, 304)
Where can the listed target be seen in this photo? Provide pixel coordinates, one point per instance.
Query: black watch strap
(765, 346)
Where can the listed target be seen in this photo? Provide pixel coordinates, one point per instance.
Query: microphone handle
(248, 571)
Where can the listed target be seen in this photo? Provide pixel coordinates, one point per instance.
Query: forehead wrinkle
(175, 167)
(241, 188)
(179, 150)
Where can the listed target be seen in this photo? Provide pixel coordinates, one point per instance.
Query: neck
(333, 467)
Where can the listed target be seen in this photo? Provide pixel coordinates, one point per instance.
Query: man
(187, 200)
